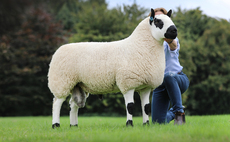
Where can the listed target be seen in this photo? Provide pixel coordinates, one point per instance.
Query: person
(174, 84)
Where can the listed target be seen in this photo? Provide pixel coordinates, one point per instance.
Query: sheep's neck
(142, 36)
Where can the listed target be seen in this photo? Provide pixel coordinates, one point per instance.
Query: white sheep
(136, 63)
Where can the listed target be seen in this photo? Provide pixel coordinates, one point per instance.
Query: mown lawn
(112, 129)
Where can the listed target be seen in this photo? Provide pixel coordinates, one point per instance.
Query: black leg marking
(146, 123)
(130, 108)
(74, 125)
(129, 123)
(147, 109)
(56, 125)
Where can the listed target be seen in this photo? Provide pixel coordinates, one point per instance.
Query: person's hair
(164, 11)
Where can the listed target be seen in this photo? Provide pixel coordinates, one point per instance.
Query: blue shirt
(172, 58)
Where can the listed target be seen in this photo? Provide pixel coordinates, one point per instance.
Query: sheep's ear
(169, 13)
(152, 16)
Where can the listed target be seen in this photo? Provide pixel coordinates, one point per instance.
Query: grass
(112, 129)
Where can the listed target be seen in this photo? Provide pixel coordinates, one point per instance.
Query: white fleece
(136, 62)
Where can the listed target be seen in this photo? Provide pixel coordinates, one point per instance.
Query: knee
(168, 76)
(130, 108)
(147, 109)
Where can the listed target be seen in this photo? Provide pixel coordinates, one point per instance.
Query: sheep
(136, 63)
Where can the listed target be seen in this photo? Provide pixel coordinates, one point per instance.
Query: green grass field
(112, 129)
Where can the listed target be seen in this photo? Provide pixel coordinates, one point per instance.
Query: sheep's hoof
(146, 123)
(74, 125)
(55, 125)
(129, 123)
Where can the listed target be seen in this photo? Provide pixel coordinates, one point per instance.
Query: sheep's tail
(79, 96)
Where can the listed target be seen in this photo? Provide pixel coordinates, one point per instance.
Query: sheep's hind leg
(144, 95)
(73, 113)
(57, 103)
(129, 102)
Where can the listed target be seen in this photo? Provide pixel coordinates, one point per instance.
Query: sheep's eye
(158, 23)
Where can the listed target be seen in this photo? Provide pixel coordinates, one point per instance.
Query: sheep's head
(162, 26)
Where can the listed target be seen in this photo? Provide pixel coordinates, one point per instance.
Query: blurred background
(31, 31)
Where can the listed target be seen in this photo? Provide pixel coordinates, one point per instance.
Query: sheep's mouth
(170, 36)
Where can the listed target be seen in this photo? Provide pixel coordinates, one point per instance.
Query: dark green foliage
(10, 12)
(66, 12)
(97, 23)
(209, 92)
(25, 54)
(205, 57)
(191, 25)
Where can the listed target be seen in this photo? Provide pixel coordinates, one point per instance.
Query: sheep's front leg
(73, 113)
(57, 103)
(129, 103)
(144, 95)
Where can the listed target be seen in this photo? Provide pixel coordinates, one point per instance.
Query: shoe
(179, 118)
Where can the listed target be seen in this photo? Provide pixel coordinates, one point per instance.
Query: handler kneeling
(174, 84)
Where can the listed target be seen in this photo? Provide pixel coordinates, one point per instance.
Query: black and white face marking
(161, 26)
(158, 23)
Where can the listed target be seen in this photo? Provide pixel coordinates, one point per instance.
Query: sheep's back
(91, 64)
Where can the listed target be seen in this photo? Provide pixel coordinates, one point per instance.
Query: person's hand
(172, 43)
(169, 41)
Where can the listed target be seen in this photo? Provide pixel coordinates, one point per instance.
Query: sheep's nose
(173, 29)
(171, 32)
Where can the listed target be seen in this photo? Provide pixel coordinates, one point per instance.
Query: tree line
(31, 31)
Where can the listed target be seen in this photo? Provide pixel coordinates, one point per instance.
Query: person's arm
(172, 43)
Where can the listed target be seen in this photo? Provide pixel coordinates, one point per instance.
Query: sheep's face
(162, 26)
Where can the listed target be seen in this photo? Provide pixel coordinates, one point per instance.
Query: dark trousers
(169, 91)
